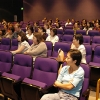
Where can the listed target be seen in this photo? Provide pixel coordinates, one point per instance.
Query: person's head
(41, 29)
(35, 24)
(58, 25)
(88, 24)
(68, 20)
(30, 29)
(50, 22)
(53, 32)
(78, 39)
(46, 26)
(22, 37)
(72, 20)
(5, 26)
(11, 29)
(17, 27)
(76, 25)
(37, 38)
(84, 21)
(97, 25)
(73, 57)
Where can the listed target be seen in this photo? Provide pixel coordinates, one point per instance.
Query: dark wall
(9, 8)
(63, 9)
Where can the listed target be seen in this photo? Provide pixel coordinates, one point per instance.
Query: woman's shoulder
(25, 43)
(80, 70)
(81, 46)
(66, 67)
(56, 36)
(42, 43)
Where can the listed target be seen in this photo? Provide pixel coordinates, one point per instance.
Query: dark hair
(54, 31)
(12, 29)
(23, 36)
(59, 25)
(38, 37)
(79, 37)
(6, 25)
(18, 25)
(75, 55)
(47, 25)
(31, 28)
(42, 28)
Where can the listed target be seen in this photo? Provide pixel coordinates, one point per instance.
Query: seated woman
(43, 32)
(30, 32)
(9, 33)
(77, 44)
(47, 28)
(23, 44)
(70, 79)
(38, 48)
(53, 36)
(76, 27)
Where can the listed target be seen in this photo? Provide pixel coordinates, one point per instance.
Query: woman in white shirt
(23, 44)
(88, 27)
(53, 36)
(78, 44)
(47, 28)
(30, 32)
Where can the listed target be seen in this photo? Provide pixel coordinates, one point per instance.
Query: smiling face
(69, 60)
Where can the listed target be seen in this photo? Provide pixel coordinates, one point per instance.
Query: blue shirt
(76, 78)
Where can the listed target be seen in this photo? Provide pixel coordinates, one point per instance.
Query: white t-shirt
(25, 44)
(68, 24)
(82, 49)
(52, 39)
(30, 36)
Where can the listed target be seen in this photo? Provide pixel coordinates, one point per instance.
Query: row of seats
(10, 44)
(94, 41)
(51, 51)
(20, 80)
(83, 32)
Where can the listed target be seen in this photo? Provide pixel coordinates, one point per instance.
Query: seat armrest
(50, 89)
(35, 83)
(95, 65)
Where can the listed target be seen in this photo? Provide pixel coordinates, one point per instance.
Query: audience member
(76, 27)
(43, 32)
(30, 32)
(46, 26)
(69, 80)
(23, 44)
(53, 36)
(17, 31)
(38, 48)
(78, 44)
(68, 22)
(10, 32)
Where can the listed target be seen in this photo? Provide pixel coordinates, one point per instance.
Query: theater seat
(43, 77)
